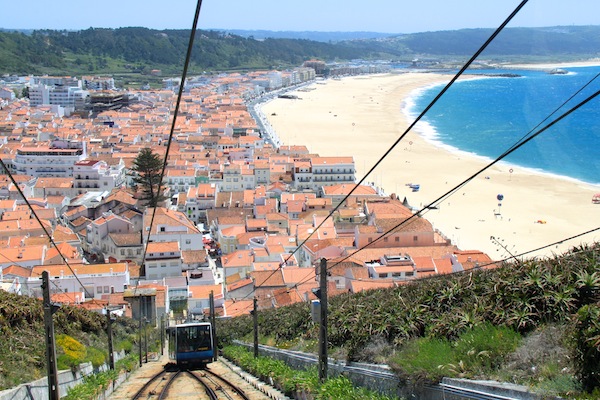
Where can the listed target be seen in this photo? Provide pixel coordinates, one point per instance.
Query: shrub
(480, 349)
(91, 386)
(293, 381)
(73, 352)
(587, 346)
(96, 356)
(126, 345)
(341, 387)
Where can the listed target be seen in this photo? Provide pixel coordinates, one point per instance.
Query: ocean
(488, 115)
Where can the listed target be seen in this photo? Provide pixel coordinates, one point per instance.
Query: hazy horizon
(382, 16)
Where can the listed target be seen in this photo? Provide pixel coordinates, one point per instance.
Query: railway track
(199, 384)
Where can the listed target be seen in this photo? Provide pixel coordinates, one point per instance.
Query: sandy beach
(362, 116)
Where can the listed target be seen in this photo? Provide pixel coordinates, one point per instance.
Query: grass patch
(423, 359)
(478, 351)
(484, 348)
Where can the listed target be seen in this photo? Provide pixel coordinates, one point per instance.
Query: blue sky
(390, 16)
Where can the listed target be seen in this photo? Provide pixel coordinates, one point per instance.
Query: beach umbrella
(500, 197)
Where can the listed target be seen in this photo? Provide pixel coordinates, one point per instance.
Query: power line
(481, 266)
(543, 247)
(522, 141)
(21, 266)
(37, 218)
(422, 114)
(175, 112)
(463, 183)
(419, 117)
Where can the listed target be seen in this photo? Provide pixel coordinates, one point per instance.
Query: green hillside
(22, 343)
(136, 50)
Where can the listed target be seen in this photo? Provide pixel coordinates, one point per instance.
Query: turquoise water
(489, 115)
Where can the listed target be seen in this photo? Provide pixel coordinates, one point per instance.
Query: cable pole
(162, 334)
(145, 340)
(140, 329)
(255, 320)
(213, 327)
(323, 327)
(53, 391)
(111, 354)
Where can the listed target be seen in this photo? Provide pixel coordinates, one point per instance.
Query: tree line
(133, 49)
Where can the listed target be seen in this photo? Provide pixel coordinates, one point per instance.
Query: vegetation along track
(180, 384)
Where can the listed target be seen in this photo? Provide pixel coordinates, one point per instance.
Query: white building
(64, 92)
(395, 267)
(56, 160)
(163, 259)
(199, 199)
(7, 94)
(180, 180)
(323, 171)
(94, 279)
(95, 174)
(113, 237)
(172, 226)
(98, 82)
(232, 179)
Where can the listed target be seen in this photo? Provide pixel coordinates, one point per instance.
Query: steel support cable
(540, 248)
(19, 265)
(517, 143)
(37, 218)
(506, 153)
(175, 112)
(463, 183)
(418, 280)
(564, 103)
(524, 137)
(403, 135)
(421, 115)
(522, 141)
(460, 272)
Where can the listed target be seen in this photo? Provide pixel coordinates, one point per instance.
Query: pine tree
(146, 173)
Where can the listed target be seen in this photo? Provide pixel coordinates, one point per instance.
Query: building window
(383, 275)
(385, 239)
(396, 239)
(99, 289)
(370, 240)
(415, 238)
(411, 273)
